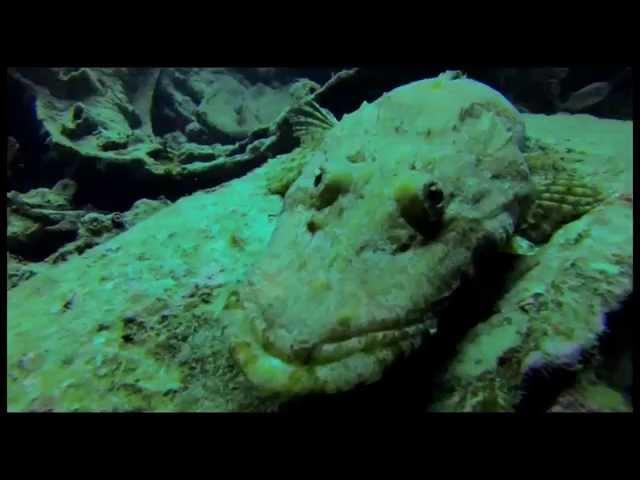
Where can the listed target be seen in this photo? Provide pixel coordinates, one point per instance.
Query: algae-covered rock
(95, 228)
(42, 216)
(168, 128)
(143, 209)
(135, 323)
(102, 116)
(219, 105)
(19, 270)
(231, 110)
(44, 224)
(59, 197)
(590, 394)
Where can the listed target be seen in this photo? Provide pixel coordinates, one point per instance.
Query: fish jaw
(275, 375)
(279, 360)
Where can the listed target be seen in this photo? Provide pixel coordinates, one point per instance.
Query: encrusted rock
(116, 121)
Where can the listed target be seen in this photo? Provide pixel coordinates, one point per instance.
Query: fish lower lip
(318, 369)
(332, 351)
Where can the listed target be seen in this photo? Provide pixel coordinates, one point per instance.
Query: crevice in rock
(542, 387)
(28, 170)
(39, 250)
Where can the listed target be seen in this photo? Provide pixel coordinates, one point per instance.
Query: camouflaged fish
(390, 207)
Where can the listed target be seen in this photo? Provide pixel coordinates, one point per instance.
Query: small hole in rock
(434, 194)
(312, 226)
(127, 338)
(403, 247)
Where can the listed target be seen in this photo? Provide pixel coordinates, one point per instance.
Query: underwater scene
(398, 239)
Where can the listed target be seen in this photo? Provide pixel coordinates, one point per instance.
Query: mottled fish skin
(384, 220)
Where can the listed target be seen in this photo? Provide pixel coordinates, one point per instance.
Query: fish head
(384, 221)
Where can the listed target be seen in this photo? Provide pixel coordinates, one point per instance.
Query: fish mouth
(337, 349)
(328, 366)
